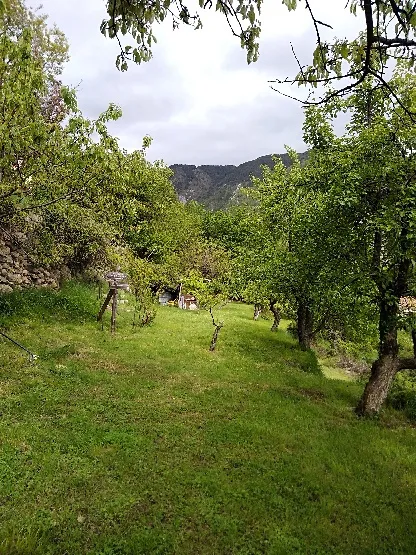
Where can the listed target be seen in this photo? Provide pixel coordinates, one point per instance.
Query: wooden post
(116, 281)
(114, 309)
(105, 304)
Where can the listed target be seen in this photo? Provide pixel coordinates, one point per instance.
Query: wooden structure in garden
(116, 281)
(188, 302)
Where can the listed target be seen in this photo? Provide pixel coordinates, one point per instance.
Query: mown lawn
(146, 442)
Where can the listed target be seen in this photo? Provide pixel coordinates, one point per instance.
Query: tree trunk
(216, 331)
(382, 374)
(257, 311)
(305, 325)
(388, 363)
(215, 336)
(386, 366)
(276, 315)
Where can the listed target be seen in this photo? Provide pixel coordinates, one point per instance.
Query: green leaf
(344, 51)
(290, 4)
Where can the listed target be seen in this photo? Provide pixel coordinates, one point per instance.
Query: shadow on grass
(263, 346)
(281, 350)
(58, 354)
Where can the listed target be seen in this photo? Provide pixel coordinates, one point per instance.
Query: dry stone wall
(18, 269)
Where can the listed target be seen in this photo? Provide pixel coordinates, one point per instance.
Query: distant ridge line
(214, 185)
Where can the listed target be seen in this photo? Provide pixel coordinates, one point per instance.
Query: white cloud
(197, 98)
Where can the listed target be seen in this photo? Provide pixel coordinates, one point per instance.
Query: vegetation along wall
(18, 269)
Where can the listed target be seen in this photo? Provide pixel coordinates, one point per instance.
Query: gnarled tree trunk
(276, 315)
(375, 393)
(386, 366)
(388, 363)
(217, 330)
(215, 336)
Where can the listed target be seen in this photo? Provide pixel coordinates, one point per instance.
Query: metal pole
(32, 356)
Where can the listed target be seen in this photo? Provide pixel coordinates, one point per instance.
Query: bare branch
(298, 62)
(318, 36)
(394, 42)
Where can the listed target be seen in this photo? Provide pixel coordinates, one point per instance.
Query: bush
(145, 307)
(402, 395)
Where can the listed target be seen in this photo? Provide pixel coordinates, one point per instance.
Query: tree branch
(395, 9)
(407, 364)
(318, 36)
(396, 41)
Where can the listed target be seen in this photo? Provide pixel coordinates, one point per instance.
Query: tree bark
(215, 336)
(382, 374)
(216, 331)
(388, 363)
(276, 315)
(386, 366)
(304, 325)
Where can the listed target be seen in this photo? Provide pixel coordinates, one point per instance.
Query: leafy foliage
(68, 184)
(402, 395)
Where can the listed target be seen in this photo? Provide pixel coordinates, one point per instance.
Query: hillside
(147, 443)
(214, 186)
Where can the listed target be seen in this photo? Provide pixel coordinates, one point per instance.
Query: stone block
(5, 288)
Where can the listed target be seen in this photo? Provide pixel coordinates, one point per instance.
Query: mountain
(215, 186)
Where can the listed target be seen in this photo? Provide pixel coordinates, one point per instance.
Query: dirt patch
(313, 394)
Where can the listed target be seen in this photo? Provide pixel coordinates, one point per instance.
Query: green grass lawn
(145, 442)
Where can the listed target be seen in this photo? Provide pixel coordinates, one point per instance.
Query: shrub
(402, 395)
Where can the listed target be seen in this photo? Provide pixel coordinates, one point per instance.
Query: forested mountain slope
(214, 186)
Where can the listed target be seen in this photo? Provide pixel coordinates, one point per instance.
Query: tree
(68, 183)
(372, 181)
(241, 231)
(304, 260)
(388, 33)
(48, 43)
(48, 46)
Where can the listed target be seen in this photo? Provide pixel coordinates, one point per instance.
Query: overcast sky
(197, 97)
